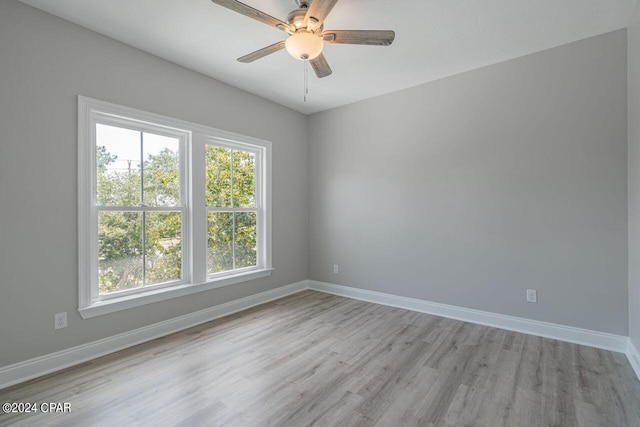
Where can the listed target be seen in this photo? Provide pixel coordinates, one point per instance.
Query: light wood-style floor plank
(322, 360)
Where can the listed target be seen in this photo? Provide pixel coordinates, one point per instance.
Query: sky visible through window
(125, 145)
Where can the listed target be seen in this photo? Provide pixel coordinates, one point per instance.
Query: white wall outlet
(336, 268)
(60, 320)
(532, 295)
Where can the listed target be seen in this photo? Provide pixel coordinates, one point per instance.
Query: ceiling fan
(306, 33)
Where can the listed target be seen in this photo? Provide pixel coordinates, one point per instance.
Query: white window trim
(195, 278)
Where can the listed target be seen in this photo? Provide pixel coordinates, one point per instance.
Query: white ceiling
(434, 39)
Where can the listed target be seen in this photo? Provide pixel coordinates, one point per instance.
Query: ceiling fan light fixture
(304, 45)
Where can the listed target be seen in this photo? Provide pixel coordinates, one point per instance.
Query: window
(166, 208)
(139, 206)
(232, 212)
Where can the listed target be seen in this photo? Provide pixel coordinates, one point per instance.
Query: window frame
(259, 202)
(183, 137)
(193, 140)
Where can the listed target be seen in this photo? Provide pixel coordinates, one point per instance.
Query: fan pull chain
(306, 79)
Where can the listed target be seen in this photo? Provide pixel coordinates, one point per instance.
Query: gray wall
(471, 189)
(634, 179)
(45, 62)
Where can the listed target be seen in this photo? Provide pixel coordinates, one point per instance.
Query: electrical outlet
(532, 295)
(335, 268)
(60, 320)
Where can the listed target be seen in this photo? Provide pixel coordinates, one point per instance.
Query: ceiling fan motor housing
(296, 17)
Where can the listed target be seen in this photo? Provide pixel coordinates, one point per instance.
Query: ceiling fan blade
(246, 10)
(320, 66)
(319, 9)
(368, 37)
(262, 52)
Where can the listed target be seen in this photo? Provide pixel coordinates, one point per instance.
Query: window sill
(130, 301)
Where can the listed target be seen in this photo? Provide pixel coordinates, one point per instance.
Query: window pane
(245, 249)
(163, 247)
(220, 240)
(218, 190)
(244, 184)
(119, 251)
(161, 170)
(118, 166)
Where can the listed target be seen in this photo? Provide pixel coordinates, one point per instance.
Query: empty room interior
(320, 212)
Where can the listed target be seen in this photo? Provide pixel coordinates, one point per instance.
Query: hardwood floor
(317, 359)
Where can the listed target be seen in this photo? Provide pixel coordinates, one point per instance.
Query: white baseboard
(634, 357)
(29, 369)
(617, 343)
